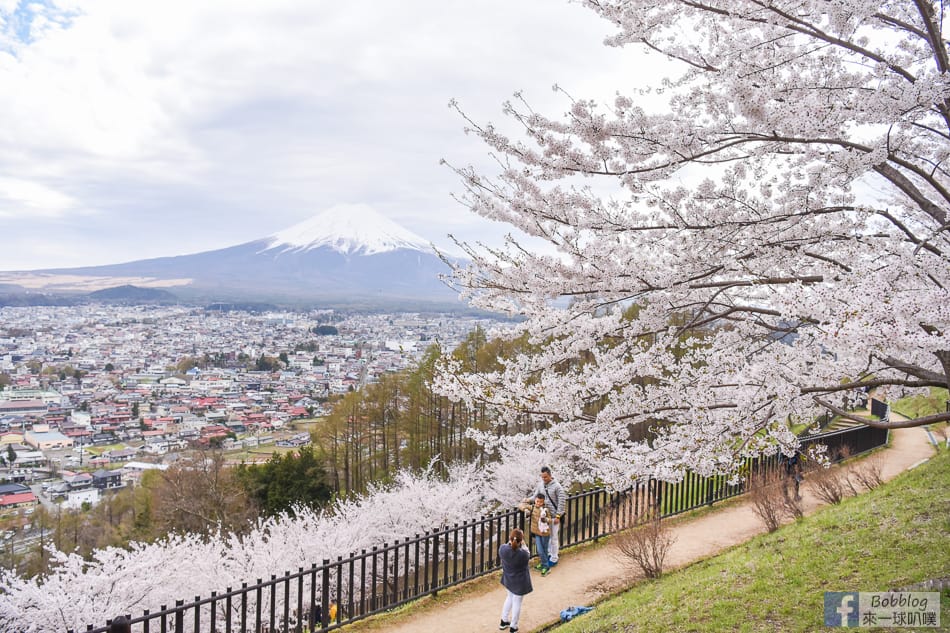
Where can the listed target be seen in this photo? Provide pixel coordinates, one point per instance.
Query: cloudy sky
(142, 129)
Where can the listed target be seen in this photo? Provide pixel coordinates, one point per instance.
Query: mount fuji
(347, 255)
(348, 230)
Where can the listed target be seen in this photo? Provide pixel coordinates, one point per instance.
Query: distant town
(92, 396)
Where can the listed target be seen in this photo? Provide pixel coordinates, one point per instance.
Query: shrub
(771, 500)
(869, 473)
(829, 483)
(768, 498)
(792, 506)
(645, 547)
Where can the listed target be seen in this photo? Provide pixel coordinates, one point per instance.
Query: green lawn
(892, 537)
(254, 454)
(99, 450)
(917, 406)
(304, 425)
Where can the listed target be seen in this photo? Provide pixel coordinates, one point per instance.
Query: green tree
(286, 481)
(266, 363)
(309, 346)
(11, 454)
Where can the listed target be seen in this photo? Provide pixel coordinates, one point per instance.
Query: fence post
(243, 606)
(374, 575)
(415, 570)
(596, 513)
(325, 595)
(179, 616)
(311, 616)
(198, 613)
(435, 563)
(286, 598)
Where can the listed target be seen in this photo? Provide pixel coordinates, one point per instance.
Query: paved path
(587, 573)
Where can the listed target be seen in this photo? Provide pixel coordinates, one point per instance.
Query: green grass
(917, 406)
(255, 453)
(892, 537)
(304, 425)
(99, 450)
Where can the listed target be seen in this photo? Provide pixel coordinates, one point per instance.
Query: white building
(75, 498)
(81, 418)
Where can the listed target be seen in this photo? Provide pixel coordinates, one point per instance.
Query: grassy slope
(917, 406)
(892, 537)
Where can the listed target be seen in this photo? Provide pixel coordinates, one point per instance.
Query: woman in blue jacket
(516, 578)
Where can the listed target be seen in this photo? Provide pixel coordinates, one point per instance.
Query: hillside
(132, 293)
(860, 545)
(893, 537)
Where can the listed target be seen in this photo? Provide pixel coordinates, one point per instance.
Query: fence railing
(328, 595)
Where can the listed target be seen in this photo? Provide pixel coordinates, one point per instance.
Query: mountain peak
(348, 229)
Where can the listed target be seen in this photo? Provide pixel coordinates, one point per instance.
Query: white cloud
(240, 119)
(27, 200)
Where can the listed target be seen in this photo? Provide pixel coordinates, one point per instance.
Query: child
(541, 531)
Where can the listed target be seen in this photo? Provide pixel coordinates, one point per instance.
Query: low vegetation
(774, 499)
(892, 537)
(919, 406)
(645, 548)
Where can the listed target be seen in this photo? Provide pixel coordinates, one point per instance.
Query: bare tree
(202, 495)
(645, 548)
(869, 473)
(829, 483)
(768, 499)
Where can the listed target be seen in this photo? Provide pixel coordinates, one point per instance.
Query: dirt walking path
(587, 573)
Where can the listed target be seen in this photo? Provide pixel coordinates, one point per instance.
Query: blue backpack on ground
(570, 613)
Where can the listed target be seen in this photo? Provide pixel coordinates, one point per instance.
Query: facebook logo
(841, 608)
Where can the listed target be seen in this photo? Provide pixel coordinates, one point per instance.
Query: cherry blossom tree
(112, 581)
(750, 255)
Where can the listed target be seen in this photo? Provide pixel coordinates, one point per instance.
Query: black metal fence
(328, 595)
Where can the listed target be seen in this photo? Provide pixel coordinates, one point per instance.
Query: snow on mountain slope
(348, 229)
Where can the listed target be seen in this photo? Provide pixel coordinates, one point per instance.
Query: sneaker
(539, 566)
(513, 629)
(552, 563)
(545, 571)
(504, 625)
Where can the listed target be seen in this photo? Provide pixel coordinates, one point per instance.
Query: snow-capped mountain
(353, 229)
(346, 255)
